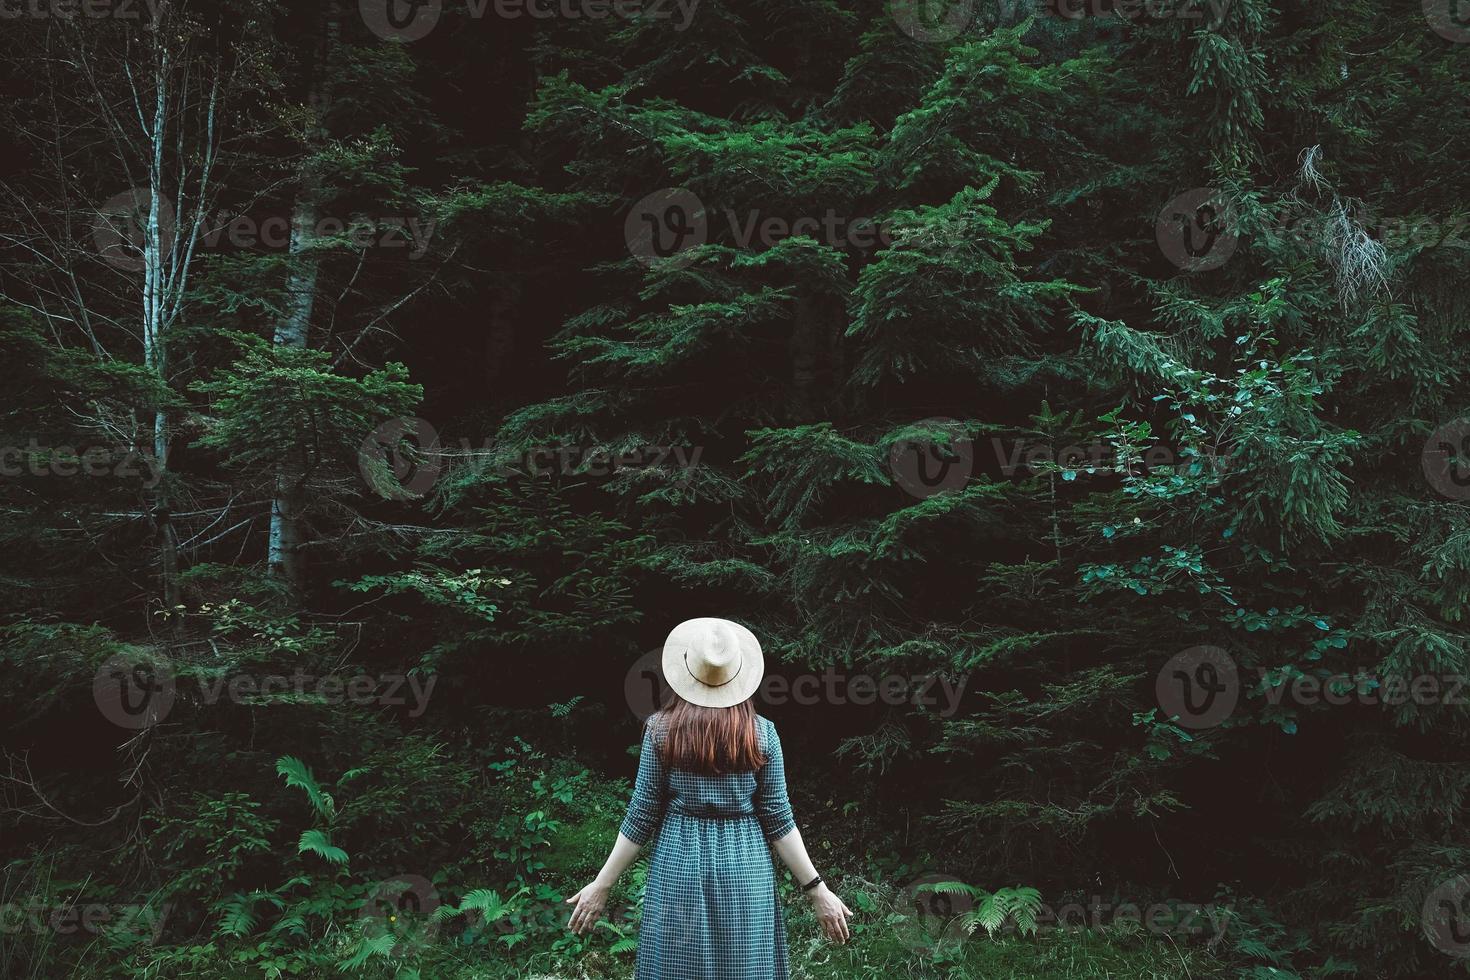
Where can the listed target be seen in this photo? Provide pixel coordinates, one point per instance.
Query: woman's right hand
(831, 913)
(589, 902)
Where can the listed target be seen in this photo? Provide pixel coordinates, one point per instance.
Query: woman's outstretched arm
(645, 813)
(773, 808)
(592, 899)
(831, 911)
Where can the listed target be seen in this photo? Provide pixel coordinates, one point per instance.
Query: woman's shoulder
(765, 730)
(655, 725)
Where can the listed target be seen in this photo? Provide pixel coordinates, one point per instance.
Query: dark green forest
(1067, 393)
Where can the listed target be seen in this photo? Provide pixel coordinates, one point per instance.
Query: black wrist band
(812, 884)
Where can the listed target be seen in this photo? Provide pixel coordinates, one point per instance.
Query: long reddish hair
(710, 741)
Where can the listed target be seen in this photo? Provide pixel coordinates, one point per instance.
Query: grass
(886, 945)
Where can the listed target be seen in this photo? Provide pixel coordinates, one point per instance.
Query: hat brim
(745, 682)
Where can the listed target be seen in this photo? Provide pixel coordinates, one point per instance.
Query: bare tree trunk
(284, 558)
(158, 245)
(284, 555)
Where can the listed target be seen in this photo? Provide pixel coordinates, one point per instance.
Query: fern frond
(317, 842)
(298, 776)
(237, 915)
(367, 948)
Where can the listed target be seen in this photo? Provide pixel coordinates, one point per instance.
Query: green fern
(1019, 906)
(369, 947)
(317, 842)
(237, 915)
(299, 776)
(564, 708)
(488, 903)
(237, 911)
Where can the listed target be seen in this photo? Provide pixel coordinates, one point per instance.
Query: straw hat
(713, 662)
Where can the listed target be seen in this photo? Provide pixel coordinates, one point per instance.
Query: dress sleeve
(650, 792)
(772, 807)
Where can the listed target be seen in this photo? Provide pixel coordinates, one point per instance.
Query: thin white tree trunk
(294, 330)
(156, 255)
(283, 556)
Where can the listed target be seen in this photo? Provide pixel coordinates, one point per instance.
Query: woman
(712, 788)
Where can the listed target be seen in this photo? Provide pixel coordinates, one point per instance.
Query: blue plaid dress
(710, 910)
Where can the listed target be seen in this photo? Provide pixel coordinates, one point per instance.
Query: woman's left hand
(832, 914)
(589, 902)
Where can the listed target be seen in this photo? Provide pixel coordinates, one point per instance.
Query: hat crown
(714, 655)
